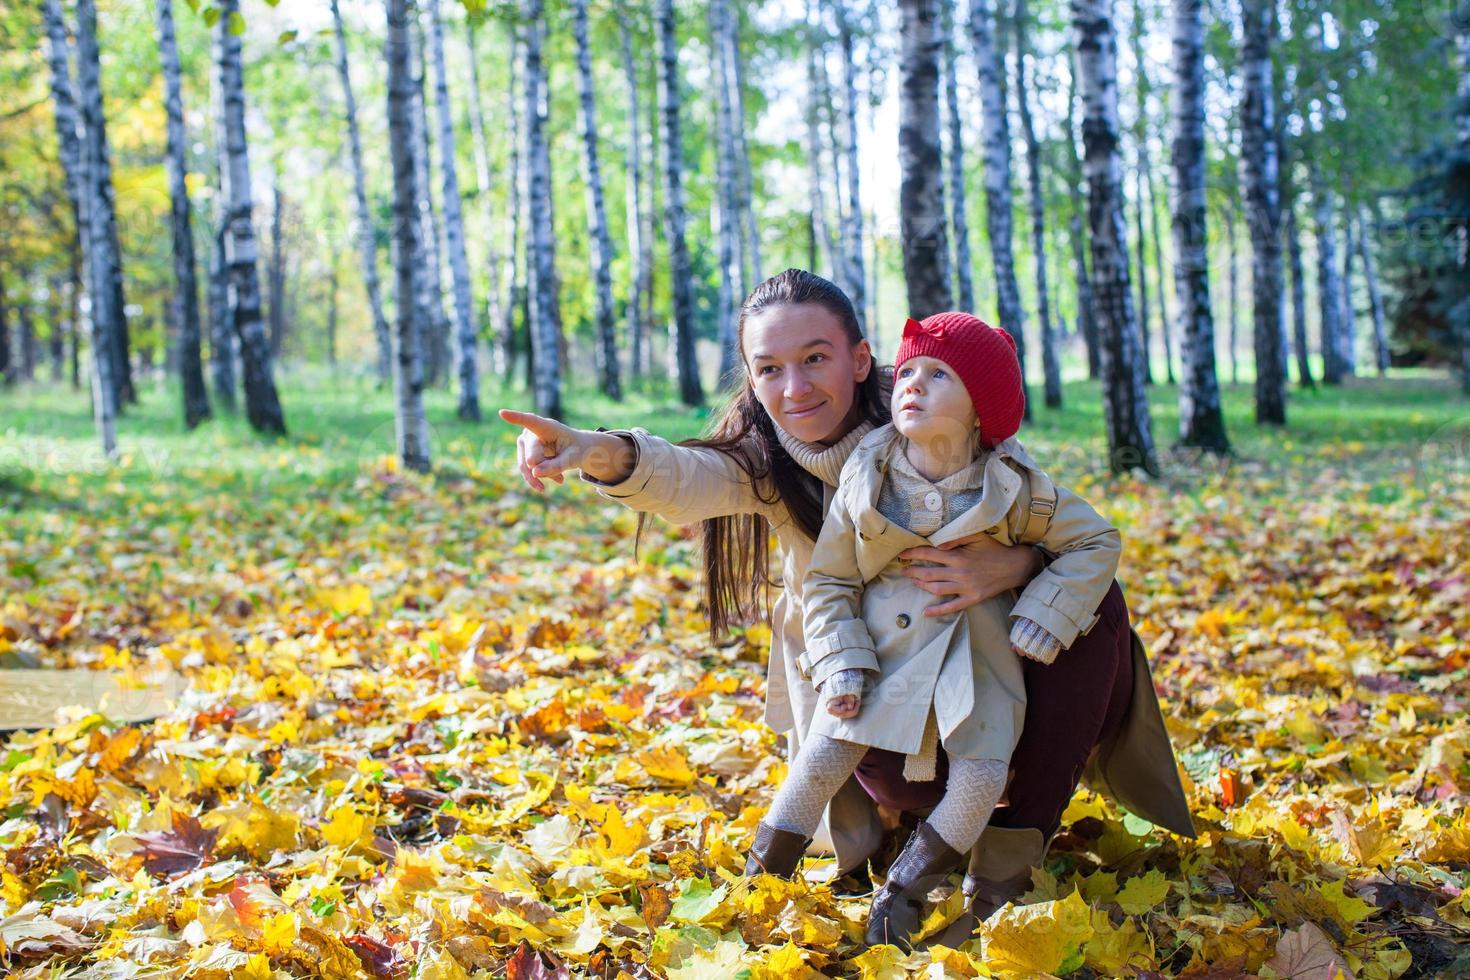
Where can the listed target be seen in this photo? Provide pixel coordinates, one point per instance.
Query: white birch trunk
(1381, 357)
(262, 407)
(726, 211)
(1260, 172)
(852, 223)
(186, 288)
(1051, 363)
(545, 325)
(922, 216)
(1201, 421)
(954, 160)
(484, 191)
(466, 349)
(367, 239)
(684, 367)
(412, 426)
(609, 374)
(1125, 399)
(996, 135)
(640, 231)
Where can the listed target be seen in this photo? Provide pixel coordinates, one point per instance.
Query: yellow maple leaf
(347, 828)
(278, 932)
(1117, 952)
(1144, 893)
(258, 829)
(1043, 938)
(622, 839)
(786, 963)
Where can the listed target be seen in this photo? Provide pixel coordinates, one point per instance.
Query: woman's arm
(971, 570)
(682, 484)
(1064, 597)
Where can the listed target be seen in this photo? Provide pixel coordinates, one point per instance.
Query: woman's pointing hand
(546, 449)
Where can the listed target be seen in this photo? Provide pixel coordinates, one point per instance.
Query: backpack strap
(1043, 506)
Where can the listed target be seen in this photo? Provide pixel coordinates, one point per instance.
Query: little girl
(890, 676)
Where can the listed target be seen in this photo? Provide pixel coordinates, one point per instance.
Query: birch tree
(76, 157)
(609, 374)
(823, 255)
(640, 226)
(262, 407)
(108, 303)
(1259, 167)
(545, 312)
(725, 214)
(852, 222)
(516, 266)
(1349, 307)
(466, 349)
(1051, 363)
(1329, 289)
(922, 215)
(484, 190)
(683, 366)
(1201, 421)
(1381, 357)
(411, 425)
(276, 266)
(1125, 400)
(996, 134)
(367, 239)
(955, 161)
(186, 290)
(434, 321)
(749, 238)
(1086, 318)
(1142, 175)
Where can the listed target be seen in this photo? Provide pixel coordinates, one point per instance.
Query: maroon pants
(1071, 706)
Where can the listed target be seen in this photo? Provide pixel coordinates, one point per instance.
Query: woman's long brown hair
(736, 547)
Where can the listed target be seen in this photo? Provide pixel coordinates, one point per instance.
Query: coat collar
(865, 471)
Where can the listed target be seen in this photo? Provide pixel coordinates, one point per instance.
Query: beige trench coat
(861, 611)
(685, 484)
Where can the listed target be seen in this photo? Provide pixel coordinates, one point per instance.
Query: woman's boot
(775, 851)
(898, 908)
(1000, 872)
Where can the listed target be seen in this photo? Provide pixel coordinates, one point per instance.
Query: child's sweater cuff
(843, 682)
(1031, 639)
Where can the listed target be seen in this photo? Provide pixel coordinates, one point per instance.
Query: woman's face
(804, 370)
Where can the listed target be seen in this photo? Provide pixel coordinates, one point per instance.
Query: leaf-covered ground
(442, 728)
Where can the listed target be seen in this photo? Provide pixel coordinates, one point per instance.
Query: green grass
(341, 422)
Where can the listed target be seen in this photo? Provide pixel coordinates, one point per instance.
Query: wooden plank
(32, 699)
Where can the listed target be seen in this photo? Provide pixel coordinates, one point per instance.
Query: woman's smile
(807, 412)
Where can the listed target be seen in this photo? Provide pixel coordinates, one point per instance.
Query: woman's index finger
(527, 420)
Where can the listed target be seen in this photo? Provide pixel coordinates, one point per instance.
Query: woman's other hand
(970, 570)
(546, 449)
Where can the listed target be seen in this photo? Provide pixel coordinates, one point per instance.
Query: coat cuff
(848, 647)
(635, 482)
(1053, 619)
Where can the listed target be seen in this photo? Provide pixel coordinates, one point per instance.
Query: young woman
(811, 392)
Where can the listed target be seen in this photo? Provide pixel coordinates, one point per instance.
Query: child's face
(930, 401)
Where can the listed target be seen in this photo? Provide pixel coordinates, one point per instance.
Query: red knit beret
(985, 359)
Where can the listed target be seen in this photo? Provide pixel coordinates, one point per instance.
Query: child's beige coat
(861, 611)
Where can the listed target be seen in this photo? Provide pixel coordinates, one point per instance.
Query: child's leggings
(824, 763)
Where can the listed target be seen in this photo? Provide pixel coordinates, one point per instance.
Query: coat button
(902, 621)
(932, 500)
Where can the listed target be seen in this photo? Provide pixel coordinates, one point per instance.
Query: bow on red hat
(913, 328)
